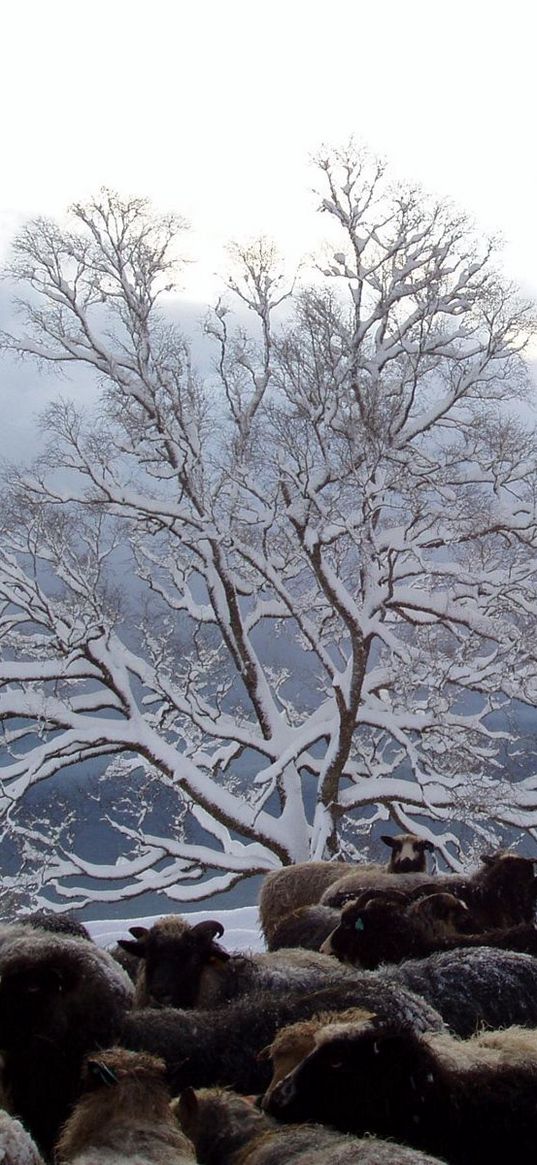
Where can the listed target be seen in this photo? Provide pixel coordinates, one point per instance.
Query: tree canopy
(297, 590)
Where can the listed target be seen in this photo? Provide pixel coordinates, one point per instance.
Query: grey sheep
(56, 923)
(483, 987)
(465, 989)
(222, 1046)
(16, 1145)
(228, 1130)
(304, 884)
(123, 1115)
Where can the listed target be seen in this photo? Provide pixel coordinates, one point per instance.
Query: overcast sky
(212, 108)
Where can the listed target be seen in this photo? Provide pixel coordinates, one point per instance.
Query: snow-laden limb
(332, 542)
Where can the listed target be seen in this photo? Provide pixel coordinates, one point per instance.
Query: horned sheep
(464, 989)
(123, 1115)
(461, 1100)
(184, 966)
(377, 931)
(286, 889)
(228, 1130)
(501, 893)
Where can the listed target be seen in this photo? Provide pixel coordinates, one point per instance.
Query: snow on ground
(241, 927)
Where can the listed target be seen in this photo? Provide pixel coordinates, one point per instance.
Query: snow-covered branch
(297, 592)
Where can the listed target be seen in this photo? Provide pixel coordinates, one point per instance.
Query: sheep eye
(359, 924)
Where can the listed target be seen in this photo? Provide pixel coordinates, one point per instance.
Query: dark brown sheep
(294, 1042)
(168, 959)
(307, 927)
(469, 1106)
(60, 997)
(184, 966)
(304, 884)
(123, 1115)
(380, 931)
(228, 1130)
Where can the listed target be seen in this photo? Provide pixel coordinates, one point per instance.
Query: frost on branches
(294, 591)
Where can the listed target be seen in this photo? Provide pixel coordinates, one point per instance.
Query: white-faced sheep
(60, 997)
(304, 884)
(184, 966)
(503, 892)
(228, 1130)
(123, 1115)
(471, 1105)
(221, 1047)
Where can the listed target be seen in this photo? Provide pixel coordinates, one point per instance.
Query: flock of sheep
(391, 1020)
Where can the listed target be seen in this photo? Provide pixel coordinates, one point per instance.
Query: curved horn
(208, 930)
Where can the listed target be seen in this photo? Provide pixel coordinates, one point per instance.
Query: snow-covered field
(241, 927)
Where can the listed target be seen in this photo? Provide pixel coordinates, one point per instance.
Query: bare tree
(332, 540)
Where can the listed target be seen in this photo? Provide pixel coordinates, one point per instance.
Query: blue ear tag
(359, 924)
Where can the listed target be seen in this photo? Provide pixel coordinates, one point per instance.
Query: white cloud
(213, 108)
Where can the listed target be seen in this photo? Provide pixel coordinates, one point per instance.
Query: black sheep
(60, 997)
(391, 1081)
(378, 931)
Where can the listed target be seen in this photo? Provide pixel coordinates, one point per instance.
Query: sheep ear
(186, 1108)
(388, 840)
(140, 932)
(208, 930)
(487, 859)
(133, 948)
(426, 844)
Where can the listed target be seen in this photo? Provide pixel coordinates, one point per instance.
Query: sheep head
(174, 961)
(441, 913)
(408, 852)
(350, 1075)
(372, 931)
